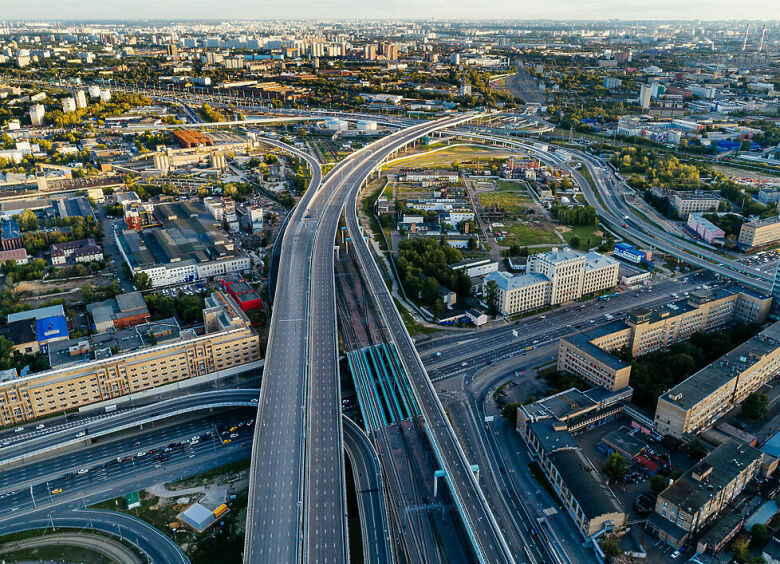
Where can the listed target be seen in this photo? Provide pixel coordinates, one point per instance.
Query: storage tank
(366, 125)
(335, 124)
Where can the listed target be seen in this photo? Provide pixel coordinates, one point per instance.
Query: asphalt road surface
(367, 475)
(157, 546)
(479, 520)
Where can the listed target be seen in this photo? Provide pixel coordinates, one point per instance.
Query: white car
(83, 471)
(39, 427)
(675, 554)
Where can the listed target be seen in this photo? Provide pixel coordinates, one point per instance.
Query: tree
(491, 297)
(755, 406)
(759, 535)
(142, 281)
(741, 551)
(575, 242)
(509, 411)
(611, 547)
(430, 291)
(28, 221)
(616, 465)
(658, 483)
(6, 353)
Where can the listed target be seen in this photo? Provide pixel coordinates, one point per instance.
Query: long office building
(588, 354)
(114, 364)
(553, 278)
(696, 403)
(759, 233)
(697, 497)
(548, 426)
(186, 245)
(693, 202)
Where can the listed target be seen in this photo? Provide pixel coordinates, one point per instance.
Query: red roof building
(240, 290)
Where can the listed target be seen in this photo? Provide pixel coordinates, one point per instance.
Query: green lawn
(511, 186)
(524, 234)
(445, 158)
(584, 233)
(514, 203)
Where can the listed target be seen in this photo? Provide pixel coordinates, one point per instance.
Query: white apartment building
(81, 99)
(553, 278)
(36, 114)
(68, 105)
(564, 268)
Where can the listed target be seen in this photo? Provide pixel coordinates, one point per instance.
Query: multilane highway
(296, 504)
(274, 511)
(449, 356)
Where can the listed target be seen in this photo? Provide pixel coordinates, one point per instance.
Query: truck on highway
(110, 408)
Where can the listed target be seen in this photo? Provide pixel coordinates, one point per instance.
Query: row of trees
(189, 309)
(577, 215)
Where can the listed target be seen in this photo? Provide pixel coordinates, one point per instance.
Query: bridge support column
(337, 249)
(436, 475)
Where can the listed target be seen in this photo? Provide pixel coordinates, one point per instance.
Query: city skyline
(568, 10)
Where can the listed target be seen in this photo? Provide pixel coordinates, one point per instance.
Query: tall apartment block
(759, 233)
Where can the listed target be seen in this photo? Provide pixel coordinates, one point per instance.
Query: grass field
(514, 203)
(524, 234)
(584, 233)
(445, 158)
(511, 186)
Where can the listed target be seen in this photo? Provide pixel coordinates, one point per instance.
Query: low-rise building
(83, 250)
(51, 325)
(629, 253)
(704, 228)
(698, 496)
(759, 233)
(120, 312)
(697, 402)
(246, 296)
(188, 245)
(477, 267)
(110, 366)
(547, 427)
(22, 334)
(693, 202)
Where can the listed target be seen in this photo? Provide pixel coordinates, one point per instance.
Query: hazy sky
(339, 9)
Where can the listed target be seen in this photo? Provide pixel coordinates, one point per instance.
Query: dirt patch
(36, 288)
